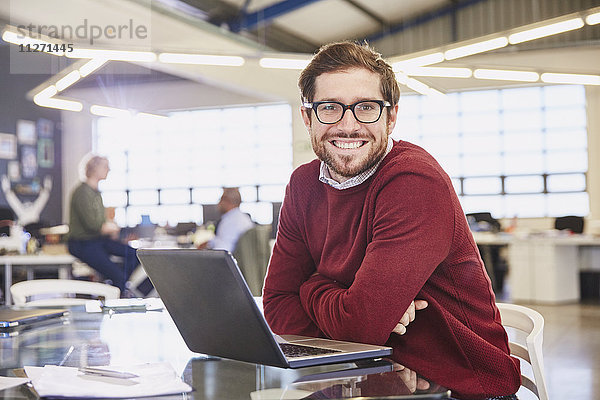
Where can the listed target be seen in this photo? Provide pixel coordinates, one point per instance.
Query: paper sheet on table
(8, 382)
(154, 379)
(125, 305)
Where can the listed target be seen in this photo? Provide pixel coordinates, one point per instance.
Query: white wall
(593, 175)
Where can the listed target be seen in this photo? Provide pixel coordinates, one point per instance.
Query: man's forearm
(285, 314)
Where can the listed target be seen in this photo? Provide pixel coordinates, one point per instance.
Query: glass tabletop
(120, 339)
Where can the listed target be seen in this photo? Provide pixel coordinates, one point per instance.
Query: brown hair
(342, 56)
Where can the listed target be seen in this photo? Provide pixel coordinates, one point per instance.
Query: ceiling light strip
(46, 93)
(91, 66)
(283, 63)
(201, 59)
(546, 30)
(476, 48)
(115, 55)
(419, 61)
(61, 104)
(440, 72)
(593, 19)
(506, 75)
(67, 80)
(573, 79)
(104, 111)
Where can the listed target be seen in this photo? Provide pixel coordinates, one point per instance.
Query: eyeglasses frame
(313, 106)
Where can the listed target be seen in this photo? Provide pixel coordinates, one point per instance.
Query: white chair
(59, 292)
(529, 326)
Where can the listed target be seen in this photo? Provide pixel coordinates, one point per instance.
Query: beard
(349, 165)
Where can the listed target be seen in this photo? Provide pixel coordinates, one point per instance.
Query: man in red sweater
(374, 225)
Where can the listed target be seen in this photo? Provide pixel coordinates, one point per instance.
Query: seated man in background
(374, 225)
(232, 224)
(92, 235)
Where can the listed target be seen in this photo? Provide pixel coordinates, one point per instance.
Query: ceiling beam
(450, 9)
(382, 23)
(267, 14)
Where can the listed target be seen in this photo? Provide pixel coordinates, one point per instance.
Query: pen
(107, 372)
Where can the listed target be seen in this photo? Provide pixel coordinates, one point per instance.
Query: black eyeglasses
(332, 112)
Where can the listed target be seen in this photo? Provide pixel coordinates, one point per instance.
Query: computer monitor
(210, 213)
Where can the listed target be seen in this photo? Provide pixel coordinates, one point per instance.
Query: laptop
(213, 309)
(13, 321)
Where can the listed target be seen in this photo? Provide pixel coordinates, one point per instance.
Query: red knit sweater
(347, 264)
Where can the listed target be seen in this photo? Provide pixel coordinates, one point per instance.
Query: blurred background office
(185, 97)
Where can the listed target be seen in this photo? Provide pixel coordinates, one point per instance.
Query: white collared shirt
(325, 176)
(231, 226)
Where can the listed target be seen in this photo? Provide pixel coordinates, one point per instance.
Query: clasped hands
(409, 316)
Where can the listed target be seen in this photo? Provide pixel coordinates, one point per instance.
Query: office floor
(571, 351)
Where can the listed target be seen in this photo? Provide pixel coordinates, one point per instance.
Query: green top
(86, 213)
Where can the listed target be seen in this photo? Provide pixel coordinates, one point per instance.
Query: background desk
(64, 263)
(134, 338)
(543, 269)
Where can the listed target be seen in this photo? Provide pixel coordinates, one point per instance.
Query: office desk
(63, 262)
(132, 338)
(542, 269)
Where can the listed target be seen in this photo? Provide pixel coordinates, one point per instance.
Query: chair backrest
(531, 325)
(252, 252)
(571, 222)
(59, 292)
(494, 224)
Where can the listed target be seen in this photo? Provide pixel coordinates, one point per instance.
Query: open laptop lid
(211, 304)
(207, 297)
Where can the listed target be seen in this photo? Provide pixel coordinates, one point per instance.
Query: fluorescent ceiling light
(574, 79)
(546, 30)
(67, 80)
(506, 75)
(593, 19)
(442, 72)
(427, 59)
(46, 93)
(113, 112)
(91, 66)
(149, 115)
(402, 78)
(61, 104)
(475, 48)
(418, 86)
(201, 59)
(116, 55)
(283, 63)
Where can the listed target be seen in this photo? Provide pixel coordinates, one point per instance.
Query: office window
(168, 168)
(512, 152)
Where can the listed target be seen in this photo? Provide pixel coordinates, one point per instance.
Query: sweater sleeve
(413, 225)
(290, 266)
(89, 210)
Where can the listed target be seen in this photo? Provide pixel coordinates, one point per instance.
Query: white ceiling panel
(398, 10)
(326, 21)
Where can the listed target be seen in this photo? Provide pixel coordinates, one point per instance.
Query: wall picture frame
(26, 132)
(8, 146)
(45, 156)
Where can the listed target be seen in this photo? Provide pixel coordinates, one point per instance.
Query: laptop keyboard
(296, 350)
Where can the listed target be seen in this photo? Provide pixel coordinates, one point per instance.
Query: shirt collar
(325, 176)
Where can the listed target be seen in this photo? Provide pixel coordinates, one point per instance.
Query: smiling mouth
(348, 145)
